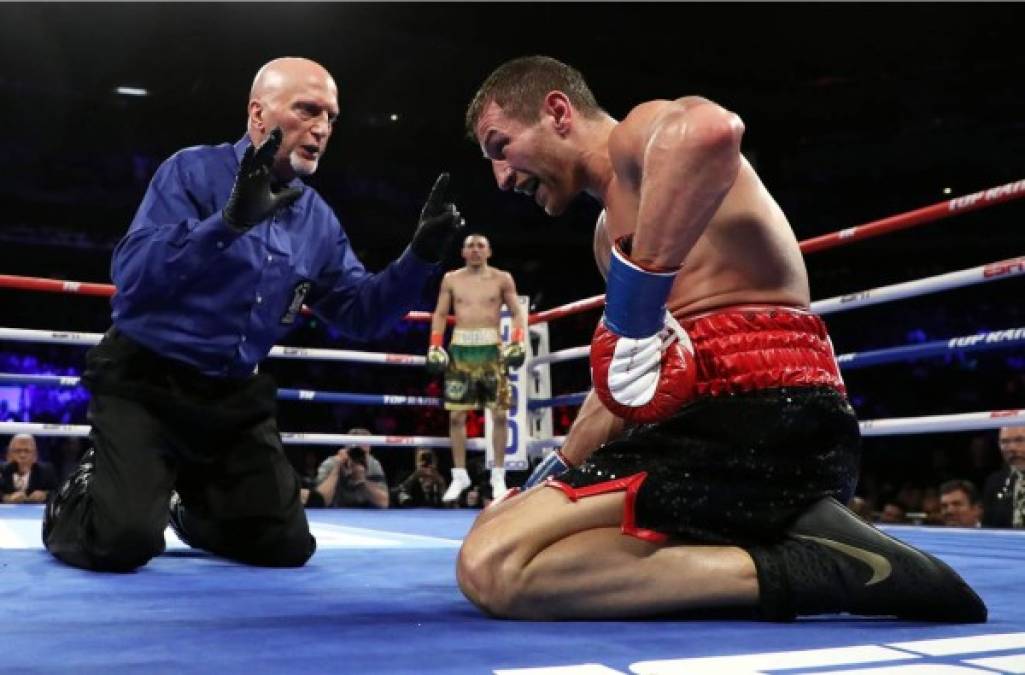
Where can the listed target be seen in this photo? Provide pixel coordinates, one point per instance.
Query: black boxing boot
(832, 561)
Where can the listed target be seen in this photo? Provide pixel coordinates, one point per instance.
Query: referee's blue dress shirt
(190, 288)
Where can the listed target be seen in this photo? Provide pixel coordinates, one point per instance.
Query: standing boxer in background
(476, 364)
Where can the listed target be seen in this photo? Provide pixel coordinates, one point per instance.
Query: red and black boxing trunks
(769, 432)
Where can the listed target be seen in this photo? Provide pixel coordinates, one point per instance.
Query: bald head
(286, 73)
(299, 96)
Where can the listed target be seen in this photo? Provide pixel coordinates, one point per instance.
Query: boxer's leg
(540, 555)
(457, 435)
(499, 438)
(500, 435)
(494, 394)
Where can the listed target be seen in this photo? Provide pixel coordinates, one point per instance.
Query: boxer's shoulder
(499, 273)
(629, 138)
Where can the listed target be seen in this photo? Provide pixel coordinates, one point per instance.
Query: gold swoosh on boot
(881, 567)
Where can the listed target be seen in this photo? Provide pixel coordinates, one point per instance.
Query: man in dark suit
(25, 480)
(1003, 497)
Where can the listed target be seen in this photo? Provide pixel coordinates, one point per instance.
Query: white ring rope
(892, 426)
(561, 355)
(287, 437)
(1003, 269)
(70, 338)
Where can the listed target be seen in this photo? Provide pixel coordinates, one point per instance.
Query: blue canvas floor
(380, 597)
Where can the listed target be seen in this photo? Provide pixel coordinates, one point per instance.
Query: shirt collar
(240, 149)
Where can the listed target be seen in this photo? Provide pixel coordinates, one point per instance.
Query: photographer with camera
(351, 477)
(425, 486)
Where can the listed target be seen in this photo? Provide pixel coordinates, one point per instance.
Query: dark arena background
(854, 113)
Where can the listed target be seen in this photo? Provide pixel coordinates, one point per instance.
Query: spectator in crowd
(1003, 501)
(959, 500)
(480, 493)
(425, 486)
(351, 477)
(893, 512)
(932, 507)
(24, 479)
(910, 497)
(862, 507)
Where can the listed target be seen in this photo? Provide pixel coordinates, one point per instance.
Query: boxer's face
(476, 250)
(305, 107)
(528, 158)
(1012, 446)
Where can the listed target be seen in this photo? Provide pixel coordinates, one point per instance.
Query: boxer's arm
(683, 157)
(512, 301)
(602, 247)
(593, 427)
(439, 318)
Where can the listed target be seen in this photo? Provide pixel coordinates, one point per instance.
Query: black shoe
(73, 489)
(832, 561)
(176, 518)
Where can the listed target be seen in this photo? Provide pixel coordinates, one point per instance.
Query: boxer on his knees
(226, 246)
(476, 364)
(704, 469)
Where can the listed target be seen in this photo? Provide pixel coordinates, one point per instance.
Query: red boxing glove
(643, 380)
(642, 361)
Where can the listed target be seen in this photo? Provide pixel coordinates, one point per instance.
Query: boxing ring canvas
(380, 596)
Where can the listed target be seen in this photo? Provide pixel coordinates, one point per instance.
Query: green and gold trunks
(476, 377)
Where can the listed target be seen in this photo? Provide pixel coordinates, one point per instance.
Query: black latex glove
(439, 222)
(252, 198)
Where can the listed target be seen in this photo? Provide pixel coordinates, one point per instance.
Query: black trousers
(160, 425)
